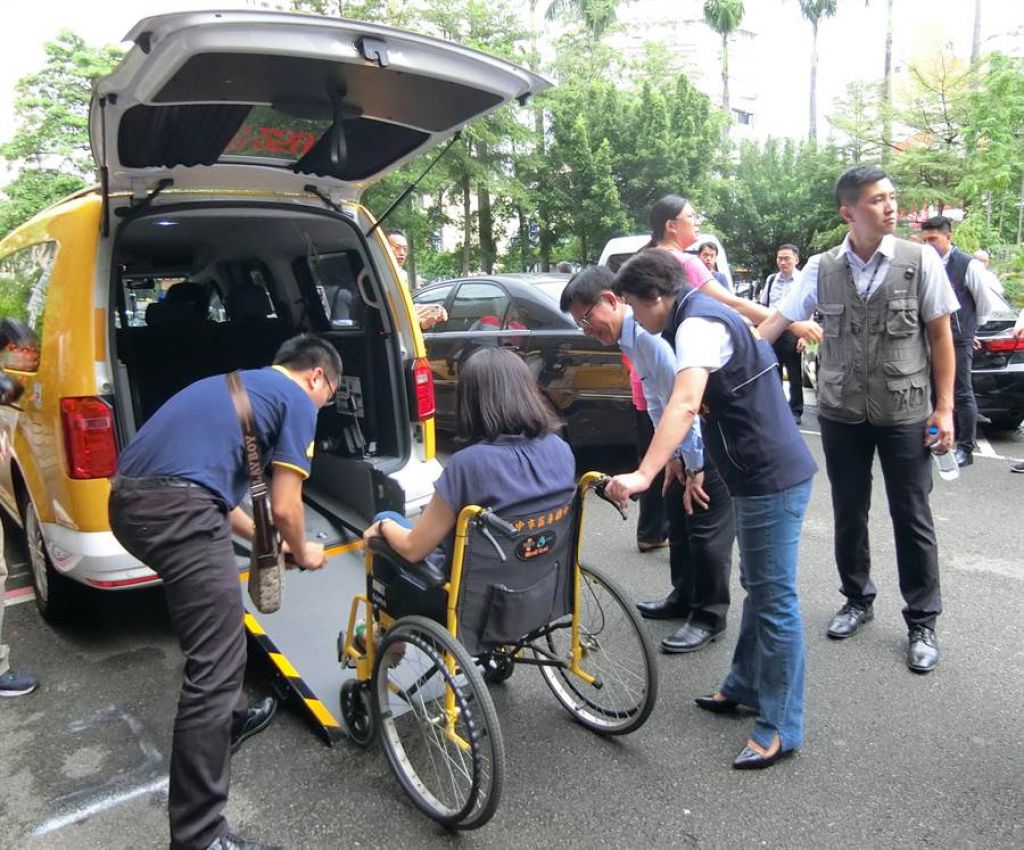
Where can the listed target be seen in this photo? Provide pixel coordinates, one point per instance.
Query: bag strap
(265, 536)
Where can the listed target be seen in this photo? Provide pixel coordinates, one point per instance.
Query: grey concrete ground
(891, 759)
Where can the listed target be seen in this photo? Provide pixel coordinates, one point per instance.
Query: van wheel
(57, 596)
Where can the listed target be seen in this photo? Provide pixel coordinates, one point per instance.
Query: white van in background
(621, 248)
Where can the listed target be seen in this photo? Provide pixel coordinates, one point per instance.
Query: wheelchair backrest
(501, 601)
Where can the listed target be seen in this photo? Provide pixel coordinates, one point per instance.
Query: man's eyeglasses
(583, 322)
(330, 387)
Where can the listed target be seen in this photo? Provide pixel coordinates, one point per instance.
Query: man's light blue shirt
(655, 363)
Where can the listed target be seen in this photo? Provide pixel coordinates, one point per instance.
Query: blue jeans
(768, 662)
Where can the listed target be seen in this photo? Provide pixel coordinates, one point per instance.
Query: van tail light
(89, 442)
(1002, 345)
(421, 389)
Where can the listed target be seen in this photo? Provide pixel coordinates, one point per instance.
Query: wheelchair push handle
(601, 487)
(491, 520)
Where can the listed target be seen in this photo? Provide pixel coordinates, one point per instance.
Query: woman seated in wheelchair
(515, 463)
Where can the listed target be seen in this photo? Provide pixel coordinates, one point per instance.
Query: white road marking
(984, 448)
(102, 805)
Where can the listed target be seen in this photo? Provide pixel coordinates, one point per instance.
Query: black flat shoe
(257, 719)
(922, 649)
(749, 759)
(717, 706)
(662, 609)
(849, 619)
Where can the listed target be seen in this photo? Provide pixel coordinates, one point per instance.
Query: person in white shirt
(427, 314)
(885, 305)
(994, 283)
(787, 347)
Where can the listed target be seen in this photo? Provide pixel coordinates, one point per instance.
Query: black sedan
(998, 372)
(585, 382)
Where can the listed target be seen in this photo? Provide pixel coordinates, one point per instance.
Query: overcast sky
(850, 45)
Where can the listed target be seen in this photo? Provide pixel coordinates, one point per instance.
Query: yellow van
(233, 148)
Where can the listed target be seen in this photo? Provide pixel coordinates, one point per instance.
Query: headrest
(247, 303)
(169, 312)
(187, 292)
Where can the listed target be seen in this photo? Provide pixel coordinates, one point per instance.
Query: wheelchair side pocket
(513, 613)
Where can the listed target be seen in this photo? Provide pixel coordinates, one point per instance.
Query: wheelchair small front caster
(497, 667)
(357, 713)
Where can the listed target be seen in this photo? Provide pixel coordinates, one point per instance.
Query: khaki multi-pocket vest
(873, 364)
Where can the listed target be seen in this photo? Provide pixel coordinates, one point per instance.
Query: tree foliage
(724, 17)
(50, 147)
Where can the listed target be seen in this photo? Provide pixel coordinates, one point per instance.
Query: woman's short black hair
(498, 396)
(666, 209)
(305, 351)
(585, 287)
(650, 275)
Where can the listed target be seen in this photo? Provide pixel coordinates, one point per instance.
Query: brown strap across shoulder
(264, 539)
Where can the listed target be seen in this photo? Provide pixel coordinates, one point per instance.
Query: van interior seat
(184, 302)
(250, 339)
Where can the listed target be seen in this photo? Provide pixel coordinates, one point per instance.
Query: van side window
(334, 276)
(24, 285)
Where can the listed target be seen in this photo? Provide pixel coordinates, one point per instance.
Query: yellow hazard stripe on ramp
(284, 665)
(347, 547)
(322, 714)
(253, 625)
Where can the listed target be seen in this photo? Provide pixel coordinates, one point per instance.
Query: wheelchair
(434, 641)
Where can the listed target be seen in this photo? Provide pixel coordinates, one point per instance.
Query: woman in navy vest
(729, 376)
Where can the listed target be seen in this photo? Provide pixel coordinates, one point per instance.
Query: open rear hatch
(204, 98)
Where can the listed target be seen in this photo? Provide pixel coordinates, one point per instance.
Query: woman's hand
(621, 487)
(373, 532)
(810, 331)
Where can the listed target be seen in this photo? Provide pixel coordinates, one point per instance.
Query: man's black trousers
(965, 405)
(788, 356)
(183, 535)
(906, 468)
(700, 551)
(651, 526)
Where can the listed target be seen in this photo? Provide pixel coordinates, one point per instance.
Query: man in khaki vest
(885, 306)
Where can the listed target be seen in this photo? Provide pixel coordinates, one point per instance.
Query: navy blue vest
(748, 426)
(964, 322)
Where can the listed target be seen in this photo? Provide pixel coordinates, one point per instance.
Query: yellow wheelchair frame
(462, 716)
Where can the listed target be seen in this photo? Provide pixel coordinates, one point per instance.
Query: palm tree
(724, 17)
(814, 11)
(597, 15)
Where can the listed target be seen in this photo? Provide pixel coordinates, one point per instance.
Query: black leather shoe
(717, 706)
(849, 619)
(963, 458)
(749, 759)
(230, 841)
(689, 638)
(922, 650)
(257, 719)
(662, 609)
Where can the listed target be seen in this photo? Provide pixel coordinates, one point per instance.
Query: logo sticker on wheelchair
(535, 545)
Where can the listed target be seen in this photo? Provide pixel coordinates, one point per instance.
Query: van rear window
(24, 286)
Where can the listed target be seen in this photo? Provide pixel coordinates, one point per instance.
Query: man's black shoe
(963, 458)
(689, 638)
(797, 417)
(230, 841)
(662, 609)
(922, 649)
(849, 619)
(257, 718)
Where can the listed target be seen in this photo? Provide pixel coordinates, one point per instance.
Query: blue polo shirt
(196, 433)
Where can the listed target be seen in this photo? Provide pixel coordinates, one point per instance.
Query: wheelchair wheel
(453, 771)
(617, 650)
(356, 712)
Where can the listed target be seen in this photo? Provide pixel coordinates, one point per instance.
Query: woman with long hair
(674, 229)
(514, 464)
(728, 374)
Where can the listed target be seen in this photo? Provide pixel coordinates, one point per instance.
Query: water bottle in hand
(945, 461)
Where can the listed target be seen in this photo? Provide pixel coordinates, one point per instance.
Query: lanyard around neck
(874, 274)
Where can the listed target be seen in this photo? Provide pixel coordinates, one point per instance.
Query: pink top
(637, 386)
(697, 273)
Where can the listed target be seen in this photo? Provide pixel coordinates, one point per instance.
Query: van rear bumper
(94, 558)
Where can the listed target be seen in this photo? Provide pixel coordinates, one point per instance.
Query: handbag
(266, 562)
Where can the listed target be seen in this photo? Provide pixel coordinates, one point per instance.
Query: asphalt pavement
(891, 759)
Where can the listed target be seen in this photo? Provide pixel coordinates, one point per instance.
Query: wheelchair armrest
(424, 574)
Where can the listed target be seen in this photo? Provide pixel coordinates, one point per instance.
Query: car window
(528, 315)
(432, 296)
(24, 285)
(477, 307)
(335, 277)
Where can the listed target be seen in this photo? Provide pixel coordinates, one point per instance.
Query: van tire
(58, 598)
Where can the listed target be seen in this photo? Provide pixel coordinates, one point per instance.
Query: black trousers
(906, 468)
(965, 405)
(651, 526)
(700, 551)
(183, 535)
(788, 356)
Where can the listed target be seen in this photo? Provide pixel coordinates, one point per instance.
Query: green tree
(724, 17)
(596, 16)
(49, 151)
(815, 11)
